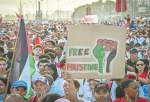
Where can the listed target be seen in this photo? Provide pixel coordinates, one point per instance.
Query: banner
(95, 51)
(121, 5)
(90, 19)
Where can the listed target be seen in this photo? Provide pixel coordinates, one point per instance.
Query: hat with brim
(62, 100)
(19, 83)
(133, 50)
(40, 78)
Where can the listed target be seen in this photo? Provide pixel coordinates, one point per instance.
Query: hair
(37, 46)
(43, 61)
(48, 51)
(77, 84)
(51, 98)
(44, 56)
(146, 62)
(53, 43)
(120, 89)
(14, 98)
(101, 86)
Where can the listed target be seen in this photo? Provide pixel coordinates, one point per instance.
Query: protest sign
(95, 51)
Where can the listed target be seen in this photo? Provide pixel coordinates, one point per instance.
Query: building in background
(138, 8)
(106, 10)
(103, 10)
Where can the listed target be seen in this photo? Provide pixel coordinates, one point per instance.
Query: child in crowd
(19, 87)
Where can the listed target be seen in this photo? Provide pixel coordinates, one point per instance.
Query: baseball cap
(19, 83)
(62, 100)
(133, 50)
(41, 79)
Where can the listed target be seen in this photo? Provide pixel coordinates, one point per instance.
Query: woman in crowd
(142, 71)
(127, 91)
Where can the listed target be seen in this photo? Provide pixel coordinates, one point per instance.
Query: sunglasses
(139, 64)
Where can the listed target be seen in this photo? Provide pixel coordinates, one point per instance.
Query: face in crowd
(131, 90)
(19, 90)
(41, 85)
(140, 66)
(42, 65)
(37, 51)
(2, 85)
(3, 66)
(101, 92)
(133, 55)
(92, 84)
(19, 87)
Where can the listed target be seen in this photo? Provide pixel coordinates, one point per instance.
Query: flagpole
(13, 60)
(20, 7)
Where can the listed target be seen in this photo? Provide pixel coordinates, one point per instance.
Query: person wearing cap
(40, 86)
(19, 87)
(130, 64)
(41, 65)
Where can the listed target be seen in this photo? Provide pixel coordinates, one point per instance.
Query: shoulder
(140, 99)
(120, 99)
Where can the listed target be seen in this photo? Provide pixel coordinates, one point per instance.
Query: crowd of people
(50, 83)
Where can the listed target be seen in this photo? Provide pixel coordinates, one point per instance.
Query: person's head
(50, 52)
(37, 50)
(41, 65)
(14, 98)
(49, 44)
(58, 50)
(45, 56)
(50, 69)
(92, 83)
(19, 87)
(40, 85)
(133, 54)
(3, 83)
(142, 65)
(1, 51)
(101, 92)
(129, 88)
(3, 64)
(51, 98)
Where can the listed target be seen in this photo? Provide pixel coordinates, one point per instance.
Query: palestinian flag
(24, 57)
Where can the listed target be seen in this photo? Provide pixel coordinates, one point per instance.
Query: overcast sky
(29, 6)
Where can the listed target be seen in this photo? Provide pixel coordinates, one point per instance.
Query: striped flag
(121, 5)
(24, 57)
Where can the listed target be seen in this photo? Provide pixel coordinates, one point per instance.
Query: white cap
(62, 100)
